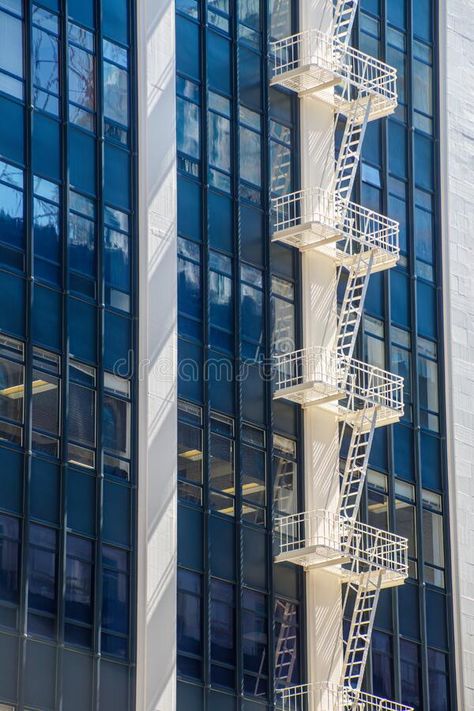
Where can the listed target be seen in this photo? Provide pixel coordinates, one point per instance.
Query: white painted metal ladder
(353, 303)
(357, 461)
(286, 647)
(366, 591)
(344, 16)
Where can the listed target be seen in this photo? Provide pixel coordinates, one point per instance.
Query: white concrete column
(324, 610)
(157, 499)
(457, 161)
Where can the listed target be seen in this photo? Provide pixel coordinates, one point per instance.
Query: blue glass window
(188, 48)
(251, 295)
(221, 301)
(222, 464)
(250, 78)
(81, 77)
(115, 91)
(82, 11)
(116, 425)
(219, 128)
(46, 146)
(222, 632)
(281, 151)
(287, 644)
(79, 590)
(283, 312)
(82, 244)
(42, 581)
(410, 674)
(47, 231)
(46, 401)
(11, 216)
(12, 379)
(9, 559)
(424, 162)
(117, 259)
(285, 478)
(250, 149)
(397, 141)
(382, 665)
(253, 480)
(190, 455)
(45, 61)
(115, 601)
(82, 412)
(438, 681)
(11, 52)
(188, 125)
(82, 158)
(423, 19)
(396, 10)
(254, 643)
(115, 19)
(428, 384)
(219, 63)
(117, 176)
(189, 624)
(189, 288)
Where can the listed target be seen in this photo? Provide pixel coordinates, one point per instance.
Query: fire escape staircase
(361, 242)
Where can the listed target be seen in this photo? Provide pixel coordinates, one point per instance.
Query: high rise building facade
(236, 355)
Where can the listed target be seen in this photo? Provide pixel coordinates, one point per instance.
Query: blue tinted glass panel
(82, 161)
(382, 665)
(47, 317)
(396, 10)
(46, 156)
(11, 215)
(11, 135)
(44, 477)
(400, 298)
(81, 502)
(83, 330)
(117, 176)
(250, 78)
(218, 52)
(12, 304)
(118, 344)
(426, 310)
(423, 19)
(188, 47)
(115, 592)
(42, 566)
(424, 176)
(47, 241)
(9, 558)
(115, 19)
(116, 513)
(189, 209)
(220, 221)
(397, 144)
(82, 11)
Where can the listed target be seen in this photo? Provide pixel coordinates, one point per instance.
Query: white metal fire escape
(361, 242)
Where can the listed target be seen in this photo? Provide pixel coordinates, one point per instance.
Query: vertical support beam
(157, 498)
(324, 609)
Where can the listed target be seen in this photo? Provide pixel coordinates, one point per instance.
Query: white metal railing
(349, 67)
(369, 384)
(360, 227)
(328, 372)
(331, 697)
(308, 365)
(368, 548)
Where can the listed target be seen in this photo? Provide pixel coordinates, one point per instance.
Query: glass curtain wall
(412, 658)
(67, 385)
(239, 617)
